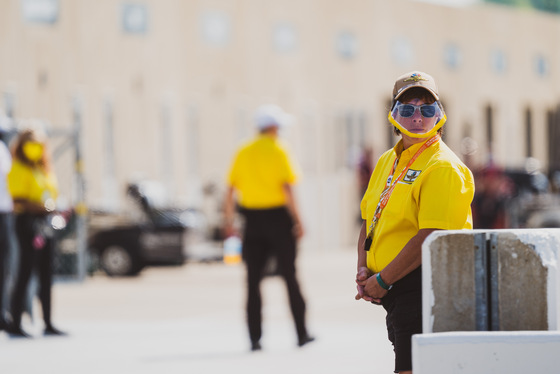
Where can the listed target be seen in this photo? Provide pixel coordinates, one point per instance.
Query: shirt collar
(266, 136)
(409, 152)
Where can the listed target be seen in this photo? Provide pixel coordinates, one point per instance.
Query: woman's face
(417, 123)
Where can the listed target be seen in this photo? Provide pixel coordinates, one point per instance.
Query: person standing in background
(6, 207)
(34, 190)
(261, 179)
(364, 170)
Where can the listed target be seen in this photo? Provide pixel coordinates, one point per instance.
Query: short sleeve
(19, 182)
(233, 171)
(291, 171)
(445, 199)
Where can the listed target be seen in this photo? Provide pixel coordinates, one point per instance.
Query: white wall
(520, 352)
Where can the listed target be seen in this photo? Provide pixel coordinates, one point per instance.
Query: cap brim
(285, 120)
(413, 85)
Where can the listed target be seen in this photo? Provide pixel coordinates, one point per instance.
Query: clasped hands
(368, 288)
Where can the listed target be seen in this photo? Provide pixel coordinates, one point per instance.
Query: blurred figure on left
(33, 187)
(6, 207)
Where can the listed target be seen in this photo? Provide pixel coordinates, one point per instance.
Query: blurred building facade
(165, 89)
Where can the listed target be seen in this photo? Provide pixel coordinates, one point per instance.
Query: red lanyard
(391, 184)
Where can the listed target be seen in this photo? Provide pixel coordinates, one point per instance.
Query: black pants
(4, 250)
(403, 304)
(268, 233)
(31, 258)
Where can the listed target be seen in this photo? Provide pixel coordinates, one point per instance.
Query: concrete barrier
(449, 295)
(486, 352)
(496, 280)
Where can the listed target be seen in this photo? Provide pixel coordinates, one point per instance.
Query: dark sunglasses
(408, 110)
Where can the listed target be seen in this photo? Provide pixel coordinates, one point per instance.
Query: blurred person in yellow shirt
(34, 191)
(260, 181)
(417, 187)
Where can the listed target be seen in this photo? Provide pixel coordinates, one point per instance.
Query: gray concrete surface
(190, 319)
(523, 285)
(453, 283)
(491, 280)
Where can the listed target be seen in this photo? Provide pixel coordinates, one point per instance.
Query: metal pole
(481, 282)
(80, 208)
(493, 278)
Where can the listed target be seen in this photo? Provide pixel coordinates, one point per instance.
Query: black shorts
(403, 304)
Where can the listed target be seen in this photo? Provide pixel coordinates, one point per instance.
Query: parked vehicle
(514, 198)
(533, 204)
(158, 237)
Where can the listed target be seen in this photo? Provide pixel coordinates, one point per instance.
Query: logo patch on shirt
(411, 175)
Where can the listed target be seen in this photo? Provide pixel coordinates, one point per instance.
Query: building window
(469, 146)
(452, 56)
(284, 37)
(40, 11)
(392, 138)
(109, 182)
(134, 18)
(489, 128)
(541, 66)
(310, 141)
(9, 104)
(553, 140)
(346, 45)
(401, 51)
(528, 133)
(498, 61)
(166, 131)
(354, 136)
(216, 28)
(109, 139)
(193, 142)
(242, 120)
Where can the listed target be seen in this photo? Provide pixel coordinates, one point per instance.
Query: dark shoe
(255, 346)
(51, 330)
(304, 340)
(16, 332)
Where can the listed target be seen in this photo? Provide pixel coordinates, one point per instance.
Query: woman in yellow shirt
(33, 187)
(417, 187)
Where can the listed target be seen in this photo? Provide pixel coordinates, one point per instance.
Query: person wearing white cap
(260, 181)
(417, 187)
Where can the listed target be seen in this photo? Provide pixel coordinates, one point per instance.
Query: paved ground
(190, 319)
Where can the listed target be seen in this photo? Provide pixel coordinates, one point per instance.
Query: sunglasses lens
(428, 111)
(406, 110)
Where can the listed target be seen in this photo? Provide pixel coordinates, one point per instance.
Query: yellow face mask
(33, 151)
(406, 118)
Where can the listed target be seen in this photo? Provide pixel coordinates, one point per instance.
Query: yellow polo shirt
(259, 171)
(436, 193)
(31, 184)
